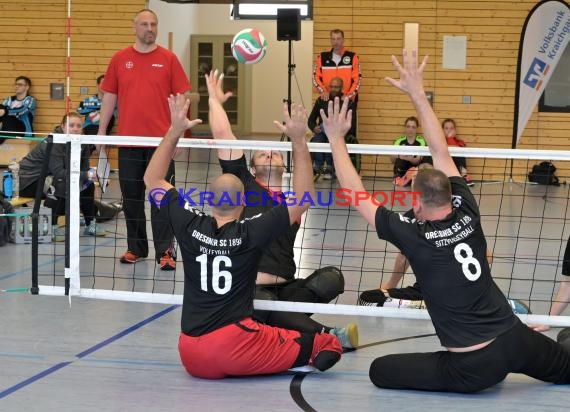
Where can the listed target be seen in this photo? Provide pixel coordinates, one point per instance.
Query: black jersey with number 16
(220, 263)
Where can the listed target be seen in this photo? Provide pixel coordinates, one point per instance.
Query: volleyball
(249, 46)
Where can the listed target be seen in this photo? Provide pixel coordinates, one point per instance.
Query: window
(267, 10)
(556, 96)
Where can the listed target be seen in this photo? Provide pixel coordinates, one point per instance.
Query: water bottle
(45, 226)
(92, 174)
(8, 180)
(91, 177)
(15, 169)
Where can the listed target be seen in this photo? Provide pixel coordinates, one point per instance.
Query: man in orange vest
(337, 62)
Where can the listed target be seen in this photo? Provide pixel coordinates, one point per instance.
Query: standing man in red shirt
(337, 62)
(139, 79)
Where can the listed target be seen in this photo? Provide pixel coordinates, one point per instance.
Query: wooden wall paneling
(34, 43)
(374, 30)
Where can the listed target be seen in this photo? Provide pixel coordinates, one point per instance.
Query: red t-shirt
(455, 141)
(142, 83)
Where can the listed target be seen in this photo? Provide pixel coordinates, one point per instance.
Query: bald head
(144, 12)
(145, 25)
(335, 87)
(224, 187)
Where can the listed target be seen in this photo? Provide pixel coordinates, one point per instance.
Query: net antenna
(289, 29)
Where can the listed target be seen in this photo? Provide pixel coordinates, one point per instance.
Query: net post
(72, 258)
(35, 216)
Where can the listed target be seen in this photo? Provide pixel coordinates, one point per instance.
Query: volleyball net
(525, 226)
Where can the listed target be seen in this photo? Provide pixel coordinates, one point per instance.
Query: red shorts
(246, 348)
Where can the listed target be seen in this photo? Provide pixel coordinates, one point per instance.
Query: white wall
(269, 77)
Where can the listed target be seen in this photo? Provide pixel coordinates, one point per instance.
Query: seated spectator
(403, 163)
(316, 126)
(22, 106)
(9, 124)
(30, 167)
(90, 108)
(449, 129)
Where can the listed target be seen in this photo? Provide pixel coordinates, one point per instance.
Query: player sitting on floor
(221, 254)
(483, 340)
(389, 295)
(276, 274)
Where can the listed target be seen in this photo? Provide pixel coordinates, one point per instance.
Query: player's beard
(148, 38)
(267, 172)
(334, 94)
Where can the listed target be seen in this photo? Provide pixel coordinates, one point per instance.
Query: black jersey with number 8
(448, 257)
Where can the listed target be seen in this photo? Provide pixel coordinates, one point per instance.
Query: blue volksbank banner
(544, 37)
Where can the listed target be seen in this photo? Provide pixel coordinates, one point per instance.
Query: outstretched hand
(179, 105)
(215, 83)
(411, 75)
(295, 126)
(338, 119)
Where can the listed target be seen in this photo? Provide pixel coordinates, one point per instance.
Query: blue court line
(126, 331)
(34, 378)
(144, 362)
(21, 356)
(85, 248)
(109, 361)
(92, 349)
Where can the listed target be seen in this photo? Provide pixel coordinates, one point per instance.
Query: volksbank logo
(536, 73)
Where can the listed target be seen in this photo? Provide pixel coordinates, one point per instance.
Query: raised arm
(295, 128)
(411, 83)
(218, 119)
(158, 166)
(337, 123)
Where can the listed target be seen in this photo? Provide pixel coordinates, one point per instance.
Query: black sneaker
(374, 297)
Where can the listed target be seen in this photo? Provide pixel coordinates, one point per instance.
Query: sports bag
(543, 174)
